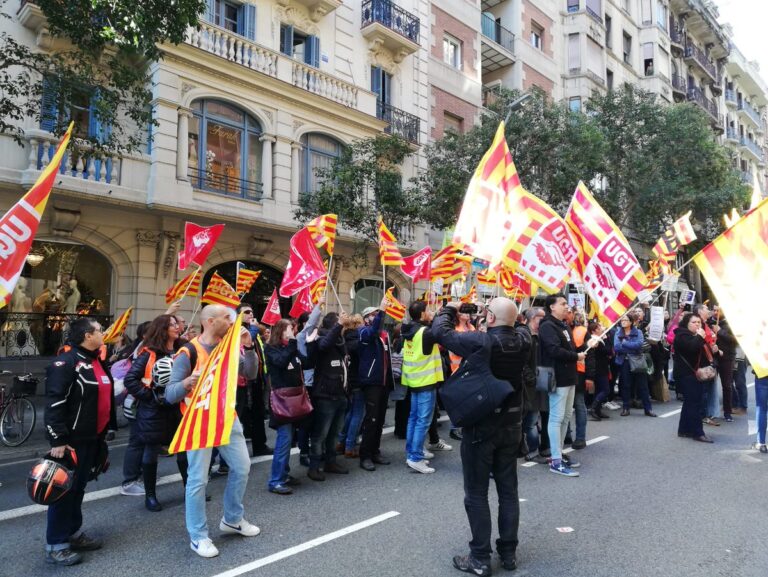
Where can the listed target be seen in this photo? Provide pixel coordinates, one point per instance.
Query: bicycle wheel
(17, 421)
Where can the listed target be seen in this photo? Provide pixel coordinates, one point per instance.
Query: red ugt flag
(304, 265)
(198, 243)
(302, 304)
(418, 266)
(272, 312)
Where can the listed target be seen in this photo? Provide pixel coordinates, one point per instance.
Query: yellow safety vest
(420, 370)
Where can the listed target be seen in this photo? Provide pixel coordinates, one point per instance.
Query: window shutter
(286, 39)
(312, 52)
(210, 11)
(376, 81)
(387, 82)
(248, 19)
(48, 107)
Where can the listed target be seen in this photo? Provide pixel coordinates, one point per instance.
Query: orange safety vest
(147, 379)
(579, 334)
(202, 358)
(454, 358)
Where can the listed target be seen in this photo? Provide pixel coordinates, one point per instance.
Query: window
(646, 11)
(662, 62)
(302, 47)
(225, 150)
(595, 61)
(381, 86)
(537, 36)
(609, 79)
(626, 7)
(627, 49)
(453, 122)
(452, 51)
(574, 52)
(648, 67)
(608, 32)
(595, 9)
(235, 17)
(574, 104)
(662, 15)
(573, 5)
(318, 151)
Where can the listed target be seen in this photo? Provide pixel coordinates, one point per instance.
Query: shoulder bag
(290, 404)
(637, 363)
(545, 380)
(702, 373)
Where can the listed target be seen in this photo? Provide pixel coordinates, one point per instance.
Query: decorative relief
(378, 55)
(295, 17)
(185, 87)
(170, 247)
(148, 237)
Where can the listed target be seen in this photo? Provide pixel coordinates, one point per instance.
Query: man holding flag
(216, 321)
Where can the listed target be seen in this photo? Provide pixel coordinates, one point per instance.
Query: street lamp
(517, 104)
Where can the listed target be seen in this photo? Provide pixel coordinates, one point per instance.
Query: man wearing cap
(375, 381)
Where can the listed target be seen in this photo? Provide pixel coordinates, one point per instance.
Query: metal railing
(696, 95)
(730, 96)
(400, 122)
(751, 112)
(679, 83)
(696, 53)
(393, 17)
(753, 147)
(731, 134)
(223, 183)
(496, 32)
(37, 334)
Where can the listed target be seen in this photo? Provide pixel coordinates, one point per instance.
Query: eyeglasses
(247, 312)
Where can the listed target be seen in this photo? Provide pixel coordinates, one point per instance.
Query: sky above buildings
(748, 19)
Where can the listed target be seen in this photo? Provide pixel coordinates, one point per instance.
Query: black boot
(150, 484)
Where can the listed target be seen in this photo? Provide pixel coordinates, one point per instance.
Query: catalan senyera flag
(220, 292)
(245, 278)
(486, 277)
(317, 289)
(516, 284)
(388, 252)
(20, 223)
(450, 265)
(395, 308)
(117, 328)
(654, 276)
(734, 265)
(611, 274)
(323, 231)
(679, 234)
(210, 416)
(188, 286)
(471, 296)
(484, 219)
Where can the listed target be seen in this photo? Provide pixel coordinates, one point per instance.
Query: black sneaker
(63, 557)
(509, 562)
(456, 434)
(469, 564)
(84, 543)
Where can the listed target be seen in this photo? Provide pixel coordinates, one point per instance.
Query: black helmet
(51, 478)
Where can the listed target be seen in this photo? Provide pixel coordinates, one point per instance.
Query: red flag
(19, 224)
(418, 266)
(303, 303)
(198, 243)
(304, 265)
(272, 313)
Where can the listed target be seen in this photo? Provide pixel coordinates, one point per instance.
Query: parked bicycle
(17, 413)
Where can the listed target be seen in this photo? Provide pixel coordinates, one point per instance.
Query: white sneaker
(439, 446)
(243, 528)
(132, 488)
(420, 466)
(428, 455)
(204, 548)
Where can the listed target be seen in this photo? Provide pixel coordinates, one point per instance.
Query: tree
(101, 61)
(365, 181)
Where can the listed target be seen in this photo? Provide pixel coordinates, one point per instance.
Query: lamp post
(517, 104)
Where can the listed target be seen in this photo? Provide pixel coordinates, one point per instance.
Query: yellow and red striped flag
(471, 296)
(450, 265)
(323, 231)
(317, 289)
(612, 276)
(117, 328)
(734, 266)
(245, 278)
(188, 286)
(486, 277)
(679, 234)
(654, 276)
(516, 284)
(388, 251)
(395, 308)
(209, 418)
(22, 220)
(220, 292)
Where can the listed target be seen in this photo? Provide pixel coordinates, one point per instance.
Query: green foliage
(364, 182)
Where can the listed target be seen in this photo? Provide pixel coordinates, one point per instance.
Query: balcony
(696, 95)
(730, 99)
(225, 183)
(498, 45)
(754, 149)
(679, 87)
(399, 122)
(317, 8)
(694, 54)
(752, 114)
(732, 136)
(717, 86)
(676, 37)
(81, 165)
(385, 24)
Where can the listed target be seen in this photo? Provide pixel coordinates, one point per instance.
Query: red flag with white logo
(304, 265)
(272, 313)
(198, 243)
(302, 304)
(418, 266)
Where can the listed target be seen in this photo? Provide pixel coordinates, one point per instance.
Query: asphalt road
(647, 503)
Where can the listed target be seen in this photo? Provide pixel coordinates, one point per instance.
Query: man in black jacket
(491, 446)
(559, 352)
(78, 412)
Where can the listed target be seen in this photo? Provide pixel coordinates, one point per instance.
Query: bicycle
(17, 413)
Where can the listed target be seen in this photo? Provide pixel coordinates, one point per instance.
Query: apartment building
(256, 98)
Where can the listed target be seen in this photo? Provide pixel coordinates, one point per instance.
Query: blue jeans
(740, 382)
(602, 389)
(580, 410)
(419, 419)
(281, 456)
(560, 409)
(236, 455)
(328, 417)
(761, 402)
(640, 381)
(353, 420)
(531, 430)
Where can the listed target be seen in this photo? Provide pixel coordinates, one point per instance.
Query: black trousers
(492, 448)
(250, 410)
(373, 421)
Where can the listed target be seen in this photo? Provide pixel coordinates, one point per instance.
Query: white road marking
(752, 427)
(285, 553)
(670, 413)
(570, 449)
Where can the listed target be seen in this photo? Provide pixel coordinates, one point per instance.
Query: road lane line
(590, 442)
(670, 413)
(285, 553)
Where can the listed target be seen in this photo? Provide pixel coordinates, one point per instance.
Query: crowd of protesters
(352, 367)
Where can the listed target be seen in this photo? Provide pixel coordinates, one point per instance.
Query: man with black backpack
(490, 444)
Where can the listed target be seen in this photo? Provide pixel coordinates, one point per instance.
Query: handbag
(290, 404)
(545, 380)
(702, 373)
(472, 392)
(637, 363)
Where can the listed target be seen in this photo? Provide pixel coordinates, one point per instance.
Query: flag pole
(333, 288)
(194, 314)
(189, 284)
(328, 276)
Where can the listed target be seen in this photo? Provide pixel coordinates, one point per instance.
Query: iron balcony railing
(226, 184)
(753, 147)
(697, 96)
(496, 32)
(400, 122)
(751, 112)
(731, 134)
(393, 17)
(730, 96)
(679, 83)
(694, 52)
(38, 334)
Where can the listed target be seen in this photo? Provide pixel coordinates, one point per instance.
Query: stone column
(295, 171)
(266, 165)
(182, 150)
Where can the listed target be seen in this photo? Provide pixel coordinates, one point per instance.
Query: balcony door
(381, 86)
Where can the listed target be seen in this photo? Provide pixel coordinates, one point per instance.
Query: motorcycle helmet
(51, 478)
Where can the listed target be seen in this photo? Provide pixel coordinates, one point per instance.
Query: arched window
(225, 150)
(318, 151)
(368, 292)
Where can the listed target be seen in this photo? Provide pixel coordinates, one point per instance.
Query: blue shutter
(286, 39)
(312, 51)
(210, 11)
(387, 82)
(376, 81)
(248, 20)
(49, 106)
